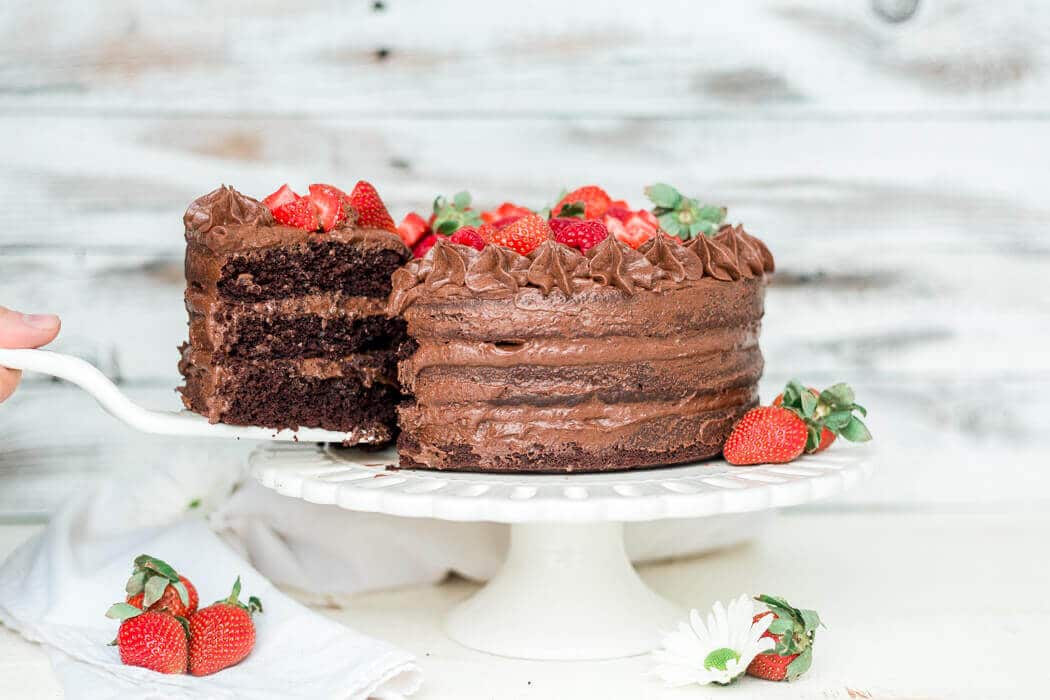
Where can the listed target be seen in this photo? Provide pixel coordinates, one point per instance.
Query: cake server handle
(116, 403)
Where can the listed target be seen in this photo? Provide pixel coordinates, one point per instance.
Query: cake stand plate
(567, 590)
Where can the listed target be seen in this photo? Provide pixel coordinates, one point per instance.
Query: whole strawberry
(153, 640)
(523, 236)
(155, 585)
(590, 202)
(583, 235)
(222, 634)
(371, 212)
(827, 413)
(766, 435)
(793, 630)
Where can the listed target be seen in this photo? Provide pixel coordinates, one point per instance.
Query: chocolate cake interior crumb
(310, 336)
(318, 266)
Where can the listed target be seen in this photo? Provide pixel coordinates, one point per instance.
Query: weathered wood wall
(896, 169)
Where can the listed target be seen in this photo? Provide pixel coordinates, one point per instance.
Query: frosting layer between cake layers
(288, 327)
(563, 361)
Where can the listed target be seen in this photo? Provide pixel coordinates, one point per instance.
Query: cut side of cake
(287, 327)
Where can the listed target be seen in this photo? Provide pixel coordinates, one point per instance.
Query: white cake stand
(567, 589)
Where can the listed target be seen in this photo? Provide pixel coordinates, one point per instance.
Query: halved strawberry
(327, 201)
(282, 196)
(504, 211)
(639, 227)
(412, 228)
(297, 213)
(371, 212)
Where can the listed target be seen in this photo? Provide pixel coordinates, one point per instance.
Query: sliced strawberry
(297, 213)
(468, 235)
(639, 227)
(282, 196)
(582, 235)
(621, 213)
(412, 228)
(327, 202)
(424, 245)
(504, 211)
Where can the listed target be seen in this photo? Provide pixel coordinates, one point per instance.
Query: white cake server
(117, 404)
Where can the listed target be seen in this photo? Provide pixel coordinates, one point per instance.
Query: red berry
(826, 436)
(582, 234)
(504, 211)
(507, 220)
(594, 199)
(297, 213)
(424, 245)
(371, 212)
(524, 235)
(327, 202)
(153, 640)
(468, 235)
(412, 228)
(222, 634)
(622, 213)
(560, 222)
(170, 600)
(766, 435)
(639, 227)
(281, 197)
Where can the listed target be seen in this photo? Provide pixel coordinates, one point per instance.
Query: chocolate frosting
(225, 221)
(224, 207)
(660, 264)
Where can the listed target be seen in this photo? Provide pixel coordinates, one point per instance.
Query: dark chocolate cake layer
(560, 361)
(288, 327)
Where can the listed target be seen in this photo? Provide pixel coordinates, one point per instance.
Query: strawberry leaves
(833, 409)
(795, 630)
(449, 217)
(151, 576)
(682, 216)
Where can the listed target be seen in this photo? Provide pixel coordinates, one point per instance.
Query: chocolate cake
(525, 344)
(565, 361)
(287, 327)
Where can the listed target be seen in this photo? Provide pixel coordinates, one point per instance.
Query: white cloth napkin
(56, 588)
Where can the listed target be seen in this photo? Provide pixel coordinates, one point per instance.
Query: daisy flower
(718, 652)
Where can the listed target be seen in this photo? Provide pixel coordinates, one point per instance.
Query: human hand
(18, 330)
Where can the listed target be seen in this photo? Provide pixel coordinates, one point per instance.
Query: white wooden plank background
(896, 169)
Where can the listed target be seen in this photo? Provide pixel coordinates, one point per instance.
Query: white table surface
(951, 603)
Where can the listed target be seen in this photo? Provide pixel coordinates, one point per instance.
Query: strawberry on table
(766, 435)
(153, 640)
(594, 201)
(826, 414)
(794, 631)
(222, 634)
(524, 235)
(156, 585)
(371, 212)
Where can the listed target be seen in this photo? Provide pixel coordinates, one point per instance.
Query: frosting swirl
(225, 207)
(659, 264)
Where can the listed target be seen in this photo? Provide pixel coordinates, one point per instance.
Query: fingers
(8, 381)
(18, 330)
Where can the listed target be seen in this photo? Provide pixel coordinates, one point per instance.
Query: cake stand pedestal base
(567, 591)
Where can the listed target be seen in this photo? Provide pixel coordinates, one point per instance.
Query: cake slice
(286, 323)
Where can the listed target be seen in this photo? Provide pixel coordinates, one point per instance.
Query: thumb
(18, 330)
